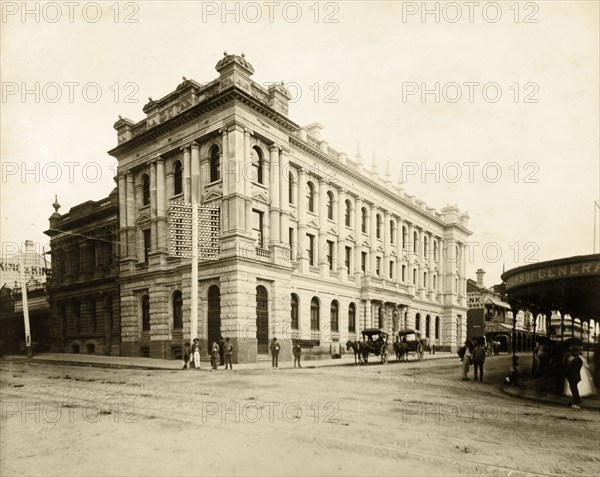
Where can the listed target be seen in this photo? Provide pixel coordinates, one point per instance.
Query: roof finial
(56, 205)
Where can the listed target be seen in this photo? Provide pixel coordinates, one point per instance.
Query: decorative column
(373, 240)
(248, 179)
(341, 245)
(274, 210)
(386, 245)
(161, 205)
(284, 199)
(195, 160)
(153, 208)
(323, 246)
(301, 255)
(358, 238)
(187, 174)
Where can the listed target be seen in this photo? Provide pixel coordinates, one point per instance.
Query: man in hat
(275, 352)
(228, 353)
(573, 375)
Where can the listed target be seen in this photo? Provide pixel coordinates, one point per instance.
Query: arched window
(294, 314)
(363, 220)
(392, 231)
(427, 324)
(415, 242)
(348, 213)
(381, 321)
(310, 196)
(435, 250)
(215, 164)
(145, 313)
(333, 315)
(177, 310)
(145, 189)
(404, 237)
(352, 318)
(290, 188)
(418, 322)
(378, 226)
(437, 327)
(329, 205)
(314, 315)
(177, 178)
(258, 165)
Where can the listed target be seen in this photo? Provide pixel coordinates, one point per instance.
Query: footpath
(125, 362)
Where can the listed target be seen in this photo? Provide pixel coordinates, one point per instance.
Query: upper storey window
(258, 165)
(363, 220)
(215, 164)
(310, 196)
(348, 213)
(145, 189)
(330, 205)
(178, 178)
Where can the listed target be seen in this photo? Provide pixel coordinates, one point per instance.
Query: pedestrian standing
(186, 356)
(196, 353)
(275, 353)
(297, 351)
(221, 351)
(228, 353)
(478, 359)
(465, 354)
(214, 355)
(573, 375)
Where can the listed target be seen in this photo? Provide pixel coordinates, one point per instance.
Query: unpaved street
(399, 419)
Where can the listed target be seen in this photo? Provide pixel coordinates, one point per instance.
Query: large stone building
(314, 246)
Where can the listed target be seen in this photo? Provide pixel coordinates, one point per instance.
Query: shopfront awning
(496, 302)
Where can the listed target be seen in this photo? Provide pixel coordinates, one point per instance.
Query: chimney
(480, 274)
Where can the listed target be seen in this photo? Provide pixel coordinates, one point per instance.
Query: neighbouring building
(490, 316)
(83, 286)
(314, 245)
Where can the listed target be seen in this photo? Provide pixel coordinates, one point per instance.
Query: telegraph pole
(25, 306)
(194, 291)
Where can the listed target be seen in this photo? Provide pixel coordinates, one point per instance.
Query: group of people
(473, 354)
(275, 348)
(220, 354)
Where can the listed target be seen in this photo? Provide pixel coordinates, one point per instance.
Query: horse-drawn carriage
(374, 342)
(409, 342)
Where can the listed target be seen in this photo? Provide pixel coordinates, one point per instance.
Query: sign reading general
(554, 272)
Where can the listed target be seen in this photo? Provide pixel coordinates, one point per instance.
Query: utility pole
(194, 291)
(25, 306)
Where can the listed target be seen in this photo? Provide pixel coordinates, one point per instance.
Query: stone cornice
(207, 106)
(306, 147)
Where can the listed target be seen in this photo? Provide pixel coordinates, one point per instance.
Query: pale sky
(351, 66)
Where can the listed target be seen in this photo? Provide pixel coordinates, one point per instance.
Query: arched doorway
(262, 320)
(214, 316)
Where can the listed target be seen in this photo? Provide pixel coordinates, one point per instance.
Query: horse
(401, 349)
(358, 351)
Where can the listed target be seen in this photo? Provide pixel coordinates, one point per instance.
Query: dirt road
(397, 419)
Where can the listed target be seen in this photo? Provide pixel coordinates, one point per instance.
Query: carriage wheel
(384, 354)
(420, 352)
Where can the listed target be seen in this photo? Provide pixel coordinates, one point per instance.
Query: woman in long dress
(586, 385)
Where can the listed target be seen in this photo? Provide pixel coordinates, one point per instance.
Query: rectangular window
(435, 282)
(363, 261)
(425, 280)
(330, 246)
(147, 244)
(403, 273)
(392, 269)
(258, 227)
(291, 243)
(378, 266)
(347, 258)
(311, 249)
(415, 276)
